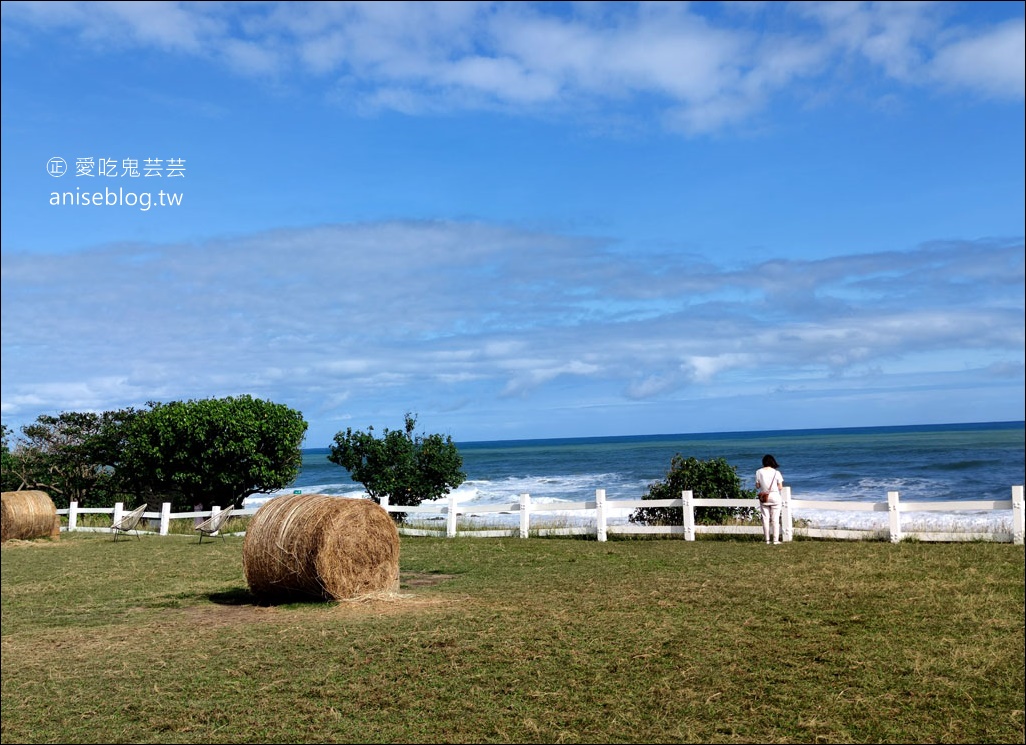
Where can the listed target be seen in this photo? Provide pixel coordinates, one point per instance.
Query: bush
(406, 468)
(709, 479)
(210, 451)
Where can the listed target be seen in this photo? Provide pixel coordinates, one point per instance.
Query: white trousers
(770, 520)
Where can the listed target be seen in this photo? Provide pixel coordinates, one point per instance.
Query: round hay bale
(317, 545)
(28, 514)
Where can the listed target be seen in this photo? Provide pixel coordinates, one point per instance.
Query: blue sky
(517, 220)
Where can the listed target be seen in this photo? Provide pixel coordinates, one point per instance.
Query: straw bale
(28, 514)
(318, 545)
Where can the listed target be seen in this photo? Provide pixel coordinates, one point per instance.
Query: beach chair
(129, 521)
(213, 524)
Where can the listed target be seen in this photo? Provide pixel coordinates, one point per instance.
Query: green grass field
(507, 640)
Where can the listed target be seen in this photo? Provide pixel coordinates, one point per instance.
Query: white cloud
(701, 69)
(363, 313)
(992, 63)
(251, 58)
(172, 26)
(501, 76)
(529, 374)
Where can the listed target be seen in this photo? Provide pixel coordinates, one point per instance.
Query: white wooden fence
(600, 508)
(602, 528)
(164, 517)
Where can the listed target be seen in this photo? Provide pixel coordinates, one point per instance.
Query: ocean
(923, 463)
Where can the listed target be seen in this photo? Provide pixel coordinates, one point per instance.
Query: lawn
(509, 640)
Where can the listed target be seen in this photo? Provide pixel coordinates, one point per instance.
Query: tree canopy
(206, 452)
(69, 456)
(406, 468)
(708, 479)
(211, 451)
(9, 477)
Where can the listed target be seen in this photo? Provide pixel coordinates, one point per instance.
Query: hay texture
(316, 545)
(28, 514)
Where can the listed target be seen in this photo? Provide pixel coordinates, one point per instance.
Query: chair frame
(213, 524)
(129, 521)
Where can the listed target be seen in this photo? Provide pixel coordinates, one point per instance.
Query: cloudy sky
(517, 220)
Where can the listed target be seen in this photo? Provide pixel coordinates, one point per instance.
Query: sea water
(957, 462)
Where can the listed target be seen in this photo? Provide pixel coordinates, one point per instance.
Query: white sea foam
(941, 521)
(548, 493)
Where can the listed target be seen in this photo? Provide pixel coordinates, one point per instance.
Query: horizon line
(1002, 424)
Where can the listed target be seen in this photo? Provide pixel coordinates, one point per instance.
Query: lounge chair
(213, 524)
(129, 521)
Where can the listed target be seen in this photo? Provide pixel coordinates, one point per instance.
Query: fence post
(119, 510)
(72, 515)
(1018, 525)
(786, 518)
(525, 515)
(689, 514)
(894, 516)
(450, 522)
(600, 514)
(165, 517)
(214, 512)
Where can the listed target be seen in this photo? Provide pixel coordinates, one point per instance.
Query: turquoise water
(922, 463)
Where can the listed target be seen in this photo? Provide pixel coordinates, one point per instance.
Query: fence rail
(689, 529)
(164, 517)
(602, 527)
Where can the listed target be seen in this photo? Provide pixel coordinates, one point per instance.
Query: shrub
(405, 467)
(708, 479)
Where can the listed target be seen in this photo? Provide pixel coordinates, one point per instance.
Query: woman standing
(769, 482)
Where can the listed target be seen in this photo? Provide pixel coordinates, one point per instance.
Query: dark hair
(770, 461)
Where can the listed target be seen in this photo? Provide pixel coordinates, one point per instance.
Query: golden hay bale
(28, 514)
(322, 546)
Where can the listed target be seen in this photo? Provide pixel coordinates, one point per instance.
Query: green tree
(9, 477)
(406, 468)
(212, 451)
(709, 479)
(69, 456)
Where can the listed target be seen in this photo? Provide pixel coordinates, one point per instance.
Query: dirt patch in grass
(16, 543)
(422, 579)
(218, 616)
